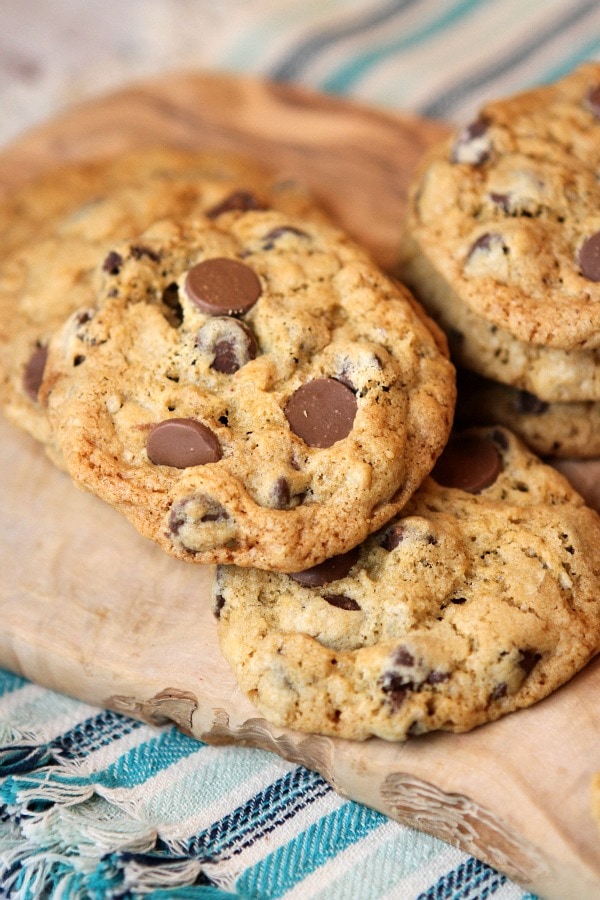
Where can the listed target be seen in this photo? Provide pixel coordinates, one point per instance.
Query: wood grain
(90, 608)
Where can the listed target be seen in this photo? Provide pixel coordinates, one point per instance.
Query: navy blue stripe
(471, 880)
(310, 47)
(444, 103)
(261, 814)
(93, 733)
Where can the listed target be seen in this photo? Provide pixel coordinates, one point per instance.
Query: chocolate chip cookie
(57, 230)
(480, 598)
(502, 245)
(508, 212)
(250, 389)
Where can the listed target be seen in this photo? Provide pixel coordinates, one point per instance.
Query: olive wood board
(91, 609)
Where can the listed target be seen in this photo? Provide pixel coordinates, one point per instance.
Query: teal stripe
(40, 709)
(204, 785)
(583, 54)
(148, 759)
(282, 870)
(384, 867)
(10, 682)
(342, 81)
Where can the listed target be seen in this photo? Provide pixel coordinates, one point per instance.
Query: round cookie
(57, 229)
(252, 390)
(480, 598)
(549, 429)
(552, 374)
(508, 213)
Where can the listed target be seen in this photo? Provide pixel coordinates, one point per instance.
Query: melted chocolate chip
(238, 201)
(529, 404)
(275, 233)
(174, 309)
(469, 463)
(486, 242)
(34, 371)
(437, 677)
(113, 262)
(529, 660)
(281, 493)
(501, 200)
(196, 508)
(403, 657)
(321, 412)
(342, 602)
(589, 258)
(222, 286)
(473, 144)
(393, 537)
(138, 252)
(396, 687)
(331, 569)
(182, 443)
(499, 691)
(230, 343)
(218, 605)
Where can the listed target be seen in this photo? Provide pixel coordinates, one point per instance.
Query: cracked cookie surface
(249, 389)
(480, 598)
(507, 210)
(56, 229)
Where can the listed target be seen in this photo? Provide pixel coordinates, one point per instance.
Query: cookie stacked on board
(502, 245)
(197, 344)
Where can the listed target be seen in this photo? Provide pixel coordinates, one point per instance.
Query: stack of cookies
(502, 245)
(195, 343)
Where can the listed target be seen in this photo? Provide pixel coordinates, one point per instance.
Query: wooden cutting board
(89, 608)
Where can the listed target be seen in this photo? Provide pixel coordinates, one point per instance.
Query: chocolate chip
(172, 304)
(501, 200)
(113, 262)
(218, 605)
(473, 144)
(34, 371)
(222, 286)
(281, 493)
(230, 343)
(437, 677)
(499, 691)
(529, 660)
(138, 252)
(403, 657)
(458, 600)
(469, 463)
(321, 412)
(238, 201)
(393, 537)
(396, 687)
(331, 569)
(342, 602)
(275, 233)
(592, 100)
(589, 258)
(182, 443)
(197, 508)
(486, 242)
(528, 403)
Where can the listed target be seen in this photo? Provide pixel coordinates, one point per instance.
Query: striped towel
(96, 805)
